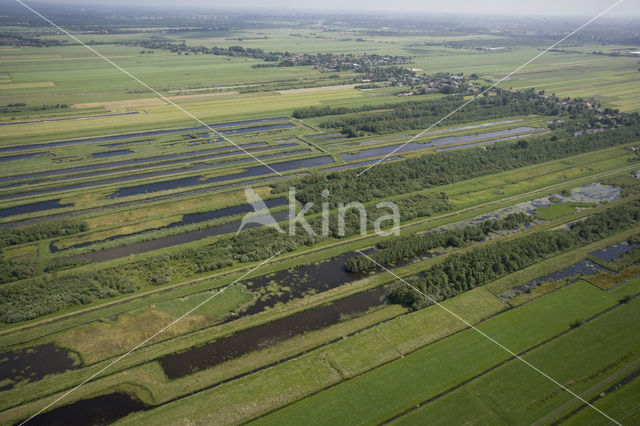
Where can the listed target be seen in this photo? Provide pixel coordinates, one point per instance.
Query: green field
(429, 372)
(119, 213)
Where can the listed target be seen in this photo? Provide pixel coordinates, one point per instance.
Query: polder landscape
(504, 292)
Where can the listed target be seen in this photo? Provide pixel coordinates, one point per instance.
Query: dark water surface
(265, 335)
(34, 363)
(614, 252)
(176, 183)
(33, 207)
(100, 410)
(169, 241)
(189, 219)
(413, 146)
(159, 132)
(140, 163)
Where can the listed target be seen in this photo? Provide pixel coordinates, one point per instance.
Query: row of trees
(464, 271)
(397, 249)
(34, 297)
(443, 168)
(18, 269)
(418, 115)
(387, 118)
(49, 294)
(378, 183)
(22, 107)
(175, 46)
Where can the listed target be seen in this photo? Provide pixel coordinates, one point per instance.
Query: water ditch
(359, 164)
(614, 252)
(16, 157)
(117, 144)
(187, 219)
(169, 241)
(33, 207)
(48, 120)
(263, 336)
(170, 184)
(440, 131)
(159, 132)
(152, 199)
(200, 180)
(108, 408)
(140, 163)
(272, 289)
(104, 154)
(324, 136)
(295, 283)
(450, 140)
(99, 410)
(483, 143)
(584, 268)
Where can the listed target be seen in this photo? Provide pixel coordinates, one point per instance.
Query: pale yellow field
(129, 103)
(316, 89)
(27, 85)
(211, 110)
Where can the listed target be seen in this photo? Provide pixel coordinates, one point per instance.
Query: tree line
(394, 117)
(443, 168)
(38, 296)
(465, 271)
(396, 249)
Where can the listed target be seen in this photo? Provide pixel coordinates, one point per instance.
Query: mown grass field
(438, 367)
(555, 211)
(593, 357)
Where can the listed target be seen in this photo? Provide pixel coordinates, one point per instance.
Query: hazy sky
(627, 8)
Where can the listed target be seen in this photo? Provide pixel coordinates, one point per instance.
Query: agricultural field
(231, 217)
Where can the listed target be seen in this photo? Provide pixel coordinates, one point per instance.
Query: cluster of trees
(18, 269)
(25, 267)
(182, 47)
(420, 84)
(22, 107)
(48, 294)
(397, 249)
(464, 271)
(40, 231)
(384, 73)
(16, 39)
(329, 61)
(418, 115)
(387, 118)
